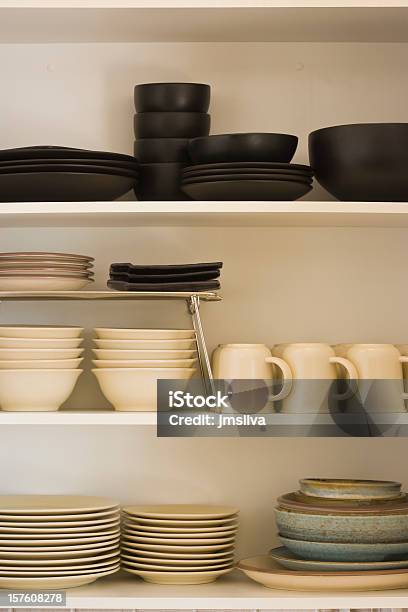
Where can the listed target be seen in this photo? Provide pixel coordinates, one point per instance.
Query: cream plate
(140, 363)
(33, 264)
(44, 272)
(69, 528)
(67, 568)
(24, 540)
(181, 511)
(137, 553)
(32, 563)
(146, 344)
(179, 541)
(109, 543)
(175, 567)
(62, 582)
(111, 333)
(40, 343)
(177, 577)
(59, 558)
(212, 535)
(179, 523)
(132, 355)
(40, 255)
(267, 571)
(42, 283)
(223, 529)
(179, 548)
(54, 504)
(57, 518)
(39, 331)
(57, 572)
(57, 536)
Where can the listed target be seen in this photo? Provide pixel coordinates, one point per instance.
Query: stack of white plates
(39, 366)
(38, 271)
(57, 542)
(131, 361)
(178, 544)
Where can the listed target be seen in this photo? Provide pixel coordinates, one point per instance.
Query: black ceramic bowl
(159, 150)
(363, 162)
(160, 182)
(171, 125)
(172, 97)
(243, 148)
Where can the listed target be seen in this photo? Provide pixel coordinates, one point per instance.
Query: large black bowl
(363, 162)
(171, 125)
(176, 97)
(250, 147)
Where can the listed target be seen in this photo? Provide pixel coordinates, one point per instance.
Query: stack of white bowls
(39, 271)
(39, 366)
(131, 361)
(57, 542)
(179, 544)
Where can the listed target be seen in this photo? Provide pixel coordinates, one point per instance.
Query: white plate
(40, 343)
(191, 548)
(58, 518)
(138, 553)
(181, 511)
(140, 363)
(150, 345)
(179, 542)
(54, 504)
(132, 355)
(56, 572)
(38, 364)
(33, 547)
(266, 571)
(39, 331)
(72, 555)
(181, 530)
(176, 537)
(178, 566)
(43, 283)
(62, 582)
(40, 255)
(9, 354)
(177, 577)
(69, 528)
(111, 333)
(180, 523)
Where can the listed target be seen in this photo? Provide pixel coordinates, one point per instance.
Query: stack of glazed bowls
(245, 167)
(56, 541)
(39, 367)
(167, 116)
(131, 361)
(179, 544)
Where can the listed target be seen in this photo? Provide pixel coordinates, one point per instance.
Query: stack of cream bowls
(178, 544)
(57, 542)
(39, 271)
(39, 366)
(131, 361)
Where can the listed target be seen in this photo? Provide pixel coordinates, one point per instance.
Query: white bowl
(39, 331)
(146, 344)
(36, 390)
(40, 343)
(144, 354)
(144, 363)
(109, 333)
(135, 389)
(40, 364)
(42, 283)
(10, 354)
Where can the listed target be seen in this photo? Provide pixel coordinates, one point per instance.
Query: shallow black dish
(165, 278)
(54, 152)
(166, 268)
(201, 286)
(187, 180)
(176, 97)
(295, 174)
(87, 168)
(243, 147)
(159, 150)
(47, 161)
(171, 125)
(363, 162)
(247, 190)
(160, 182)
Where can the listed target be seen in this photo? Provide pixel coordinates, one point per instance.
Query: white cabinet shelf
(33, 21)
(231, 592)
(204, 214)
(68, 417)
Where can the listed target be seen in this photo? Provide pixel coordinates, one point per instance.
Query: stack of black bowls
(167, 116)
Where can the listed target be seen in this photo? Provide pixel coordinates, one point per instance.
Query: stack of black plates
(247, 181)
(60, 174)
(179, 277)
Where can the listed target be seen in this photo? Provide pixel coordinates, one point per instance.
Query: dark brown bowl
(172, 97)
(171, 125)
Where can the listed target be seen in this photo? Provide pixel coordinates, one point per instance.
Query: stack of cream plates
(57, 542)
(39, 366)
(178, 544)
(38, 271)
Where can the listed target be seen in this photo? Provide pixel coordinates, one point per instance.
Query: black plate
(295, 174)
(246, 177)
(260, 165)
(246, 190)
(63, 186)
(49, 161)
(60, 153)
(165, 278)
(201, 286)
(39, 168)
(166, 269)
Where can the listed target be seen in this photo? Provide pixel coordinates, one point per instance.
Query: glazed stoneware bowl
(337, 488)
(250, 147)
(363, 528)
(362, 162)
(175, 97)
(335, 551)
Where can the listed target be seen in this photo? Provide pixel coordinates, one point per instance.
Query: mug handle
(352, 376)
(404, 359)
(286, 375)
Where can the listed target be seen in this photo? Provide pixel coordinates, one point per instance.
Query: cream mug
(313, 369)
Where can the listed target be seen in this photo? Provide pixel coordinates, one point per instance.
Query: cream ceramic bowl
(107, 333)
(146, 344)
(143, 363)
(39, 331)
(135, 389)
(40, 364)
(143, 354)
(41, 354)
(36, 390)
(40, 343)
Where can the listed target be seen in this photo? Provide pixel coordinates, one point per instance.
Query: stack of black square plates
(179, 277)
